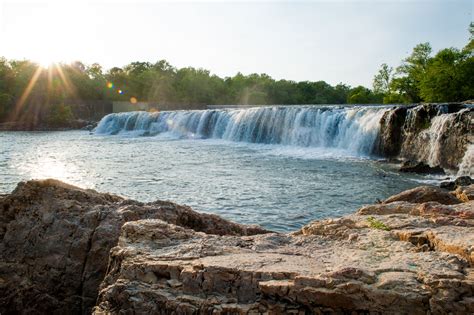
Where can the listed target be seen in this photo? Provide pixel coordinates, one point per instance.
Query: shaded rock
(449, 185)
(55, 240)
(420, 167)
(435, 134)
(390, 139)
(424, 194)
(464, 181)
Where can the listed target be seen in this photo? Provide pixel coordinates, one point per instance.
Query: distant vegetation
(27, 89)
(447, 76)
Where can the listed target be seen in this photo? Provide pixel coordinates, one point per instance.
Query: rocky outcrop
(406, 255)
(420, 168)
(424, 194)
(435, 134)
(55, 240)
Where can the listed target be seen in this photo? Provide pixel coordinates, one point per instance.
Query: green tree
(363, 95)
(382, 80)
(410, 73)
(449, 77)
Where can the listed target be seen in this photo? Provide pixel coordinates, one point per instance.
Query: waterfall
(434, 136)
(467, 164)
(351, 128)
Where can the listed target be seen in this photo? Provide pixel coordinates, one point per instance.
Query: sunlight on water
(279, 187)
(40, 165)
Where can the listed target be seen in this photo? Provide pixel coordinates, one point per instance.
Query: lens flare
(120, 92)
(110, 85)
(133, 100)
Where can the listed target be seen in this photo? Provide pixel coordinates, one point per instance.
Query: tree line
(448, 76)
(28, 91)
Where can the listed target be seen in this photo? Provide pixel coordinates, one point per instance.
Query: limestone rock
(412, 255)
(465, 193)
(420, 167)
(422, 265)
(55, 240)
(434, 134)
(424, 194)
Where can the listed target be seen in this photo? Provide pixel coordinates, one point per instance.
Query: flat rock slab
(415, 266)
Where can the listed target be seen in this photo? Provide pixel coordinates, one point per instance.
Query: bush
(59, 115)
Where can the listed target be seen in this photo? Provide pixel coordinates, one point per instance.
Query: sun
(45, 61)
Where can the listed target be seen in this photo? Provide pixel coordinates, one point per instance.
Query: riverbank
(412, 253)
(77, 124)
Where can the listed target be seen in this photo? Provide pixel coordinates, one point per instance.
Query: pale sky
(334, 41)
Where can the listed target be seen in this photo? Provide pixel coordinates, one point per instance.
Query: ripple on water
(281, 188)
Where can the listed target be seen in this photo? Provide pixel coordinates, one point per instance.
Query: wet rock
(424, 194)
(435, 134)
(420, 167)
(464, 181)
(449, 185)
(55, 240)
(390, 138)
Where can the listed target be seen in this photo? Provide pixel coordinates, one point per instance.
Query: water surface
(280, 187)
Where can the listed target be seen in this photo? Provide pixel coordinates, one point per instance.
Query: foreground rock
(55, 241)
(411, 254)
(403, 257)
(424, 194)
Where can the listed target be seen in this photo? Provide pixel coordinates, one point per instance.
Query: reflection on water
(43, 166)
(279, 187)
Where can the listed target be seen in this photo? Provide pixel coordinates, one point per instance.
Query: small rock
(463, 181)
(420, 167)
(174, 283)
(449, 185)
(424, 194)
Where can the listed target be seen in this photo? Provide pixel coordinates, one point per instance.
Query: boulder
(464, 181)
(420, 167)
(55, 240)
(449, 185)
(424, 194)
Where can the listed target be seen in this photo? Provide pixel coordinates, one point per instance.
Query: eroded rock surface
(437, 135)
(425, 194)
(408, 255)
(391, 258)
(55, 240)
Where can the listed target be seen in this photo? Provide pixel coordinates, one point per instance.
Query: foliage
(449, 76)
(446, 77)
(382, 79)
(59, 115)
(376, 224)
(362, 95)
(28, 92)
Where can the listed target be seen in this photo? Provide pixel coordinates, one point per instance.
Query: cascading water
(467, 164)
(354, 129)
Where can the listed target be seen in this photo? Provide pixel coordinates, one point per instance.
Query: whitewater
(279, 166)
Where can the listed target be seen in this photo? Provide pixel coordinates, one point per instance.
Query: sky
(334, 41)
